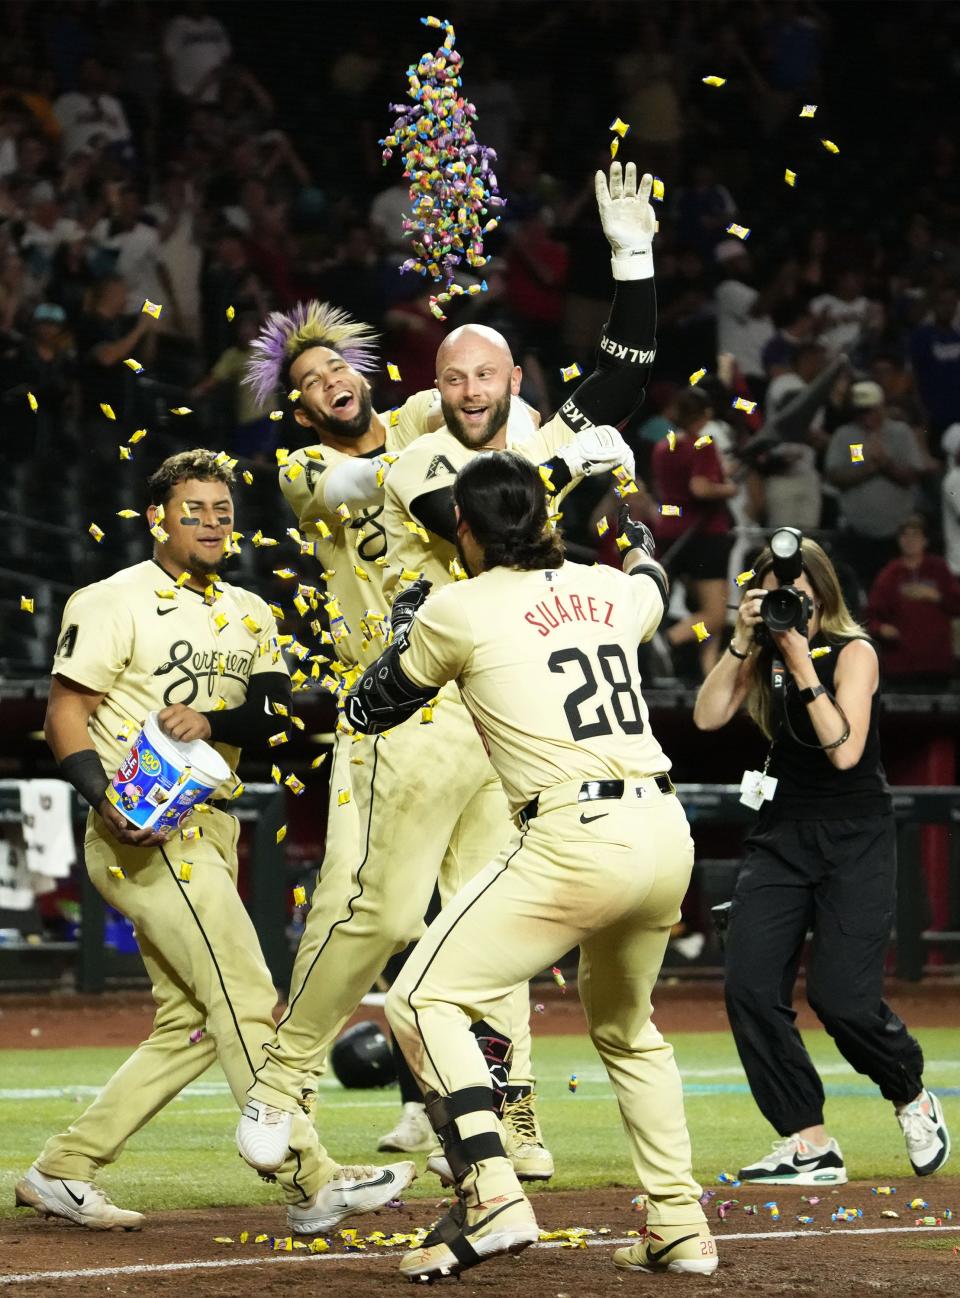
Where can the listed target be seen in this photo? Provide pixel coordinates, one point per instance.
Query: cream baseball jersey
(430, 463)
(144, 644)
(350, 547)
(546, 662)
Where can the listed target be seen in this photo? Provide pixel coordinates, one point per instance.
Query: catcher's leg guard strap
(463, 1151)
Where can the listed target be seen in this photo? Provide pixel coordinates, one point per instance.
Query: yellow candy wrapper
(856, 452)
(714, 81)
(281, 833)
(26, 604)
(808, 110)
(621, 127)
(152, 308)
(95, 532)
(569, 372)
(790, 178)
(393, 372)
(830, 146)
(32, 402)
(299, 895)
(701, 632)
(741, 403)
(230, 313)
(738, 231)
(696, 376)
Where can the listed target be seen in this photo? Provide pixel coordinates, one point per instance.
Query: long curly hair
(285, 335)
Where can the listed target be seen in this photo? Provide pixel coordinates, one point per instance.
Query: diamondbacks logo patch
(439, 464)
(68, 641)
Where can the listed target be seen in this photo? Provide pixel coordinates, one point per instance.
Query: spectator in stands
(950, 498)
(90, 117)
(106, 335)
(253, 433)
(842, 315)
(537, 267)
(45, 230)
(877, 491)
(196, 45)
(703, 210)
(694, 544)
(744, 325)
(795, 328)
(911, 604)
(130, 246)
(935, 355)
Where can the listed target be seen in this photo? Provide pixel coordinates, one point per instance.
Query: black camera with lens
(786, 607)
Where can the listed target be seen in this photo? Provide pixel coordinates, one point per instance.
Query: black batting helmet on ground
(362, 1057)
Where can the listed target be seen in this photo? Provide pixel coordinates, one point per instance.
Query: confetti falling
(856, 452)
(572, 1084)
(701, 442)
(197, 1035)
(393, 372)
(657, 190)
(808, 110)
(26, 604)
(281, 833)
(701, 632)
(621, 127)
(230, 313)
(714, 81)
(558, 977)
(741, 403)
(743, 577)
(32, 402)
(452, 183)
(739, 231)
(299, 895)
(569, 372)
(131, 364)
(151, 308)
(671, 511)
(95, 532)
(830, 146)
(672, 440)
(790, 178)
(107, 409)
(696, 376)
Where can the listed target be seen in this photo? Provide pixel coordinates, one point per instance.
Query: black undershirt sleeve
(434, 509)
(254, 721)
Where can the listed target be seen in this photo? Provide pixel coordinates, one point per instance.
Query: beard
(476, 438)
(349, 429)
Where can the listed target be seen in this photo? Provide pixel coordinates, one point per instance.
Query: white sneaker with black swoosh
(926, 1134)
(81, 1202)
(683, 1250)
(793, 1161)
(353, 1190)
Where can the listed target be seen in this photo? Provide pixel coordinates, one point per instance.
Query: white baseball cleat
(263, 1135)
(353, 1190)
(80, 1202)
(412, 1134)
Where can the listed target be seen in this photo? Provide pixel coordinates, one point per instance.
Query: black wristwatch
(812, 692)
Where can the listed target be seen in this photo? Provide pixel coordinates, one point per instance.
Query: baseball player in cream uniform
(168, 636)
(544, 655)
(420, 815)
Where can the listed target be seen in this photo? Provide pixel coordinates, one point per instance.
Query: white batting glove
(596, 450)
(628, 221)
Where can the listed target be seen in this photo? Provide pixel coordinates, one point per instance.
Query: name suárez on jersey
(555, 612)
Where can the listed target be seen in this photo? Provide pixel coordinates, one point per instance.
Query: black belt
(592, 790)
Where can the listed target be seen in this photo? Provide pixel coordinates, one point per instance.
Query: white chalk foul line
(226, 1263)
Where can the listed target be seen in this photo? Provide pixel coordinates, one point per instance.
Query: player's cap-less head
(197, 514)
(476, 376)
(322, 353)
(502, 517)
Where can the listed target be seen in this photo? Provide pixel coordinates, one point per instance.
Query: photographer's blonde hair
(837, 623)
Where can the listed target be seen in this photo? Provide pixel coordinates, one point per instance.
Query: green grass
(186, 1156)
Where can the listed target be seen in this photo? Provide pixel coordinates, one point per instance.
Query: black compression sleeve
(384, 695)
(434, 509)
(85, 772)
(254, 721)
(655, 572)
(625, 358)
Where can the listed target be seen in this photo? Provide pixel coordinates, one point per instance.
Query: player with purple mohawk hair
(309, 324)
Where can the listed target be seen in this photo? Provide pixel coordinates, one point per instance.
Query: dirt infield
(758, 1255)
(61, 1020)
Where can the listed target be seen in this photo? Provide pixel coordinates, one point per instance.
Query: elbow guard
(384, 695)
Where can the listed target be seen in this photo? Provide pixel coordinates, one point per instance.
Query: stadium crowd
(192, 155)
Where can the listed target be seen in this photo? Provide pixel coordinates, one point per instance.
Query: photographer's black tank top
(809, 786)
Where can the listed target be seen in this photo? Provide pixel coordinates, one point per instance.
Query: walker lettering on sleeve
(628, 355)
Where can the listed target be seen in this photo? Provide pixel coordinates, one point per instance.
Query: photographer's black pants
(838, 878)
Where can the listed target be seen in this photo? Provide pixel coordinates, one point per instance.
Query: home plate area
(762, 1250)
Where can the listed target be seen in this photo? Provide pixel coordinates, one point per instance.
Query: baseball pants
(837, 877)
(203, 958)
(429, 806)
(613, 886)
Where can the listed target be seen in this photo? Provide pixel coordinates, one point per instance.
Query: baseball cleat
(683, 1250)
(263, 1135)
(925, 1132)
(793, 1161)
(412, 1134)
(466, 1237)
(524, 1146)
(351, 1191)
(80, 1202)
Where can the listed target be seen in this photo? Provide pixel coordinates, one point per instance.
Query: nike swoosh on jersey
(162, 612)
(655, 1256)
(586, 820)
(78, 1202)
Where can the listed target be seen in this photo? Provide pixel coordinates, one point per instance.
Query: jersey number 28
(616, 672)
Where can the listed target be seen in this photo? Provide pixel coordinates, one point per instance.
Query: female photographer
(821, 857)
